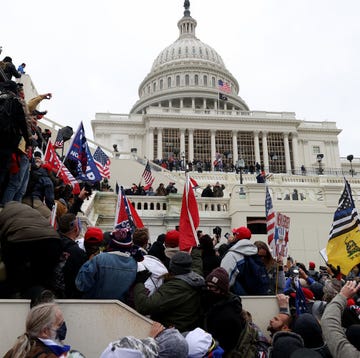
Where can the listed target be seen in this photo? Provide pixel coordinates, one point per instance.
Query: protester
(72, 259)
(39, 340)
(177, 302)
(93, 241)
(240, 246)
(274, 268)
(110, 274)
(334, 335)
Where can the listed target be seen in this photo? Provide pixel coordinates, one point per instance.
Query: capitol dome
(187, 68)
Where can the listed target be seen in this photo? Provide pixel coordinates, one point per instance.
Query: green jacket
(177, 302)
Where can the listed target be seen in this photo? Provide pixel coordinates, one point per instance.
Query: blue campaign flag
(80, 153)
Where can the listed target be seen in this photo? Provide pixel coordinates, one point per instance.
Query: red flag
(59, 168)
(194, 183)
(189, 218)
(126, 214)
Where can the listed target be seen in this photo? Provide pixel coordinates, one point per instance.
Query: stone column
(295, 149)
(287, 153)
(204, 104)
(159, 143)
(265, 151)
(182, 141)
(213, 148)
(257, 147)
(150, 146)
(181, 103)
(193, 103)
(235, 148)
(191, 145)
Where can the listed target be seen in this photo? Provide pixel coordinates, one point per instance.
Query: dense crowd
(193, 297)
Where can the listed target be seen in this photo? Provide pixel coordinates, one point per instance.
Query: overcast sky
(287, 55)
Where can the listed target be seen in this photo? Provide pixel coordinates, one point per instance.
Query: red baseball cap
(241, 233)
(94, 235)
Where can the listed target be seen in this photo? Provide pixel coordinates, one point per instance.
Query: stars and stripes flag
(59, 141)
(102, 162)
(148, 178)
(343, 247)
(270, 219)
(126, 214)
(224, 86)
(189, 217)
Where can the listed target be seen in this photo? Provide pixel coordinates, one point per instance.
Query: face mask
(61, 332)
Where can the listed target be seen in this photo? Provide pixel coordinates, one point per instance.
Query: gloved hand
(142, 276)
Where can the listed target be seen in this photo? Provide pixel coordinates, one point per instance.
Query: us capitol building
(182, 113)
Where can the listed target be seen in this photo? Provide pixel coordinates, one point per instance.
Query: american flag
(102, 162)
(270, 217)
(59, 141)
(148, 178)
(224, 87)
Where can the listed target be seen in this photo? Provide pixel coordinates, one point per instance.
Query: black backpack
(253, 278)
(9, 129)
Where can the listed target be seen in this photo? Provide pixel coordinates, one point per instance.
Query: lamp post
(273, 158)
(319, 159)
(350, 158)
(183, 160)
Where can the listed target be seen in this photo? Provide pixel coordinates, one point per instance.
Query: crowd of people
(193, 297)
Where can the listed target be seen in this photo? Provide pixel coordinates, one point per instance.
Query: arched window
(161, 84)
(154, 86)
(205, 80)
(213, 81)
(178, 80)
(187, 80)
(196, 79)
(169, 82)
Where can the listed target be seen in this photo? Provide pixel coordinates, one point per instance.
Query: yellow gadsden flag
(343, 248)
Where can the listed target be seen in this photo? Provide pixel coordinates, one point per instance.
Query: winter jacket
(108, 275)
(178, 301)
(234, 254)
(333, 332)
(30, 246)
(76, 258)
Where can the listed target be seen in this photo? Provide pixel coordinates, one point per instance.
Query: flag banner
(148, 178)
(126, 214)
(80, 153)
(300, 300)
(270, 220)
(102, 162)
(281, 235)
(224, 86)
(59, 141)
(194, 183)
(222, 97)
(189, 217)
(343, 247)
(58, 167)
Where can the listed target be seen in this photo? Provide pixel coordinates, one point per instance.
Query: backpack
(253, 278)
(247, 345)
(9, 129)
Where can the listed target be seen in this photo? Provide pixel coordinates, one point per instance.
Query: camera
(227, 235)
(217, 231)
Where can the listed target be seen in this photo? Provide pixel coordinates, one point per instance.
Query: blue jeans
(18, 182)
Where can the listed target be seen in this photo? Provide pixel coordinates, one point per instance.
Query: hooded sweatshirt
(236, 253)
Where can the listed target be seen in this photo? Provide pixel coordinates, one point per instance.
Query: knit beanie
(309, 329)
(219, 278)
(331, 288)
(285, 343)
(172, 238)
(180, 263)
(121, 240)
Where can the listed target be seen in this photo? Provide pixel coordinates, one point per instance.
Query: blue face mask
(61, 332)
